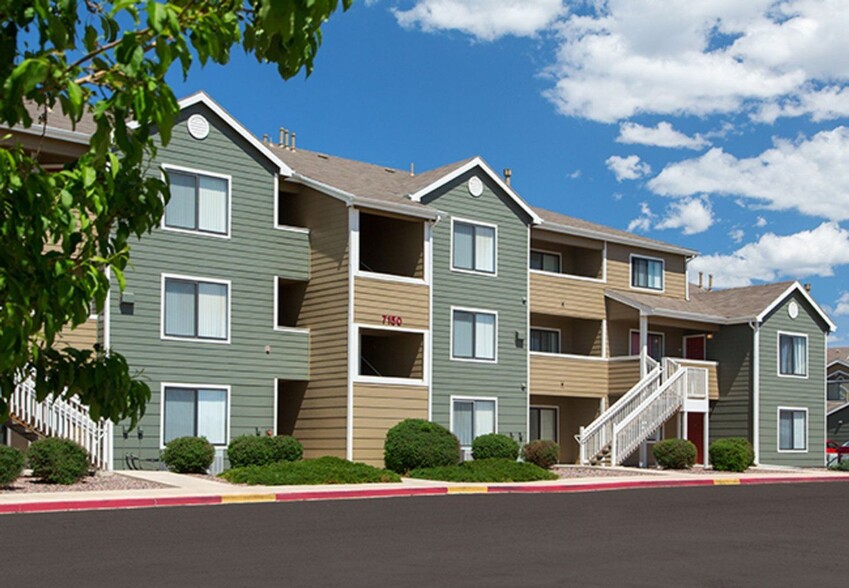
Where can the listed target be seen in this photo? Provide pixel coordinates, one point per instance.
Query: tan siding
(83, 337)
(321, 423)
(558, 295)
(713, 385)
(573, 413)
(568, 376)
(622, 375)
(379, 407)
(619, 269)
(374, 298)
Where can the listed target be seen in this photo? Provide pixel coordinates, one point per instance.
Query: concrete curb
(348, 494)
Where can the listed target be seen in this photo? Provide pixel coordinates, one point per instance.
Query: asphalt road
(791, 535)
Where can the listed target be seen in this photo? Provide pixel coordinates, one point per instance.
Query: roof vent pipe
(710, 281)
(293, 140)
(283, 134)
(701, 279)
(412, 168)
(507, 174)
(808, 288)
(265, 138)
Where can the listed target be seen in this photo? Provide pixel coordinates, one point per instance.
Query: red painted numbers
(392, 320)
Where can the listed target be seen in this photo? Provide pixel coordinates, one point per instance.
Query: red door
(696, 433)
(694, 347)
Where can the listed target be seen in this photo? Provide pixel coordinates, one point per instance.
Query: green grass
(324, 470)
(486, 470)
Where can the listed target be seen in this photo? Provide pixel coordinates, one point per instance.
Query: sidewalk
(190, 490)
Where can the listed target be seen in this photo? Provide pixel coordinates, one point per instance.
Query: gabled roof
(837, 355)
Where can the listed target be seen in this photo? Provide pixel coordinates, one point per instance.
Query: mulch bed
(98, 482)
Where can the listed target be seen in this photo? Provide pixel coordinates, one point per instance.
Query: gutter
(599, 235)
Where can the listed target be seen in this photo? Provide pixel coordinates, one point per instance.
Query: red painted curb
(565, 488)
(337, 494)
(791, 480)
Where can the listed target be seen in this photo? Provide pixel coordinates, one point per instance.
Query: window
(474, 247)
(546, 262)
(195, 309)
(792, 429)
(543, 423)
(545, 340)
(472, 418)
(646, 273)
(198, 203)
(195, 412)
(473, 335)
(792, 355)
(654, 342)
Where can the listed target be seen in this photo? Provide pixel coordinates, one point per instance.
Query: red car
(836, 452)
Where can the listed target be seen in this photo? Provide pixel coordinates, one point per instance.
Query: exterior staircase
(68, 419)
(628, 422)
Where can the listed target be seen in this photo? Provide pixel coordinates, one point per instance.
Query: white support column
(706, 457)
(683, 432)
(644, 344)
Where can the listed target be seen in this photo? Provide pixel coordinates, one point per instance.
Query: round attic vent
(793, 310)
(198, 126)
(475, 186)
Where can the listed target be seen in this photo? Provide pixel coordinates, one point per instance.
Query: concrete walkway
(185, 490)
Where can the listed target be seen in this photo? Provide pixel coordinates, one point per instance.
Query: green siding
(506, 293)
(255, 253)
(778, 391)
(731, 416)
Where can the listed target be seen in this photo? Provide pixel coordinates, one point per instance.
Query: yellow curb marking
(726, 482)
(468, 490)
(248, 498)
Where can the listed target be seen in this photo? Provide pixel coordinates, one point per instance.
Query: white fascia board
(837, 409)
(54, 133)
(478, 162)
(842, 362)
(602, 236)
(326, 189)
(796, 286)
(203, 98)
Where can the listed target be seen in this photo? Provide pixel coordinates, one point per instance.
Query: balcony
(391, 303)
(563, 295)
(391, 247)
(568, 375)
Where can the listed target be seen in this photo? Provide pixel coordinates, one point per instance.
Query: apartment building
(837, 375)
(293, 292)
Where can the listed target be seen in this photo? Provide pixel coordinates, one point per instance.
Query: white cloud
(814, 252)
(627, 168)
(841, 307)
(737, 235)
(761, 222)
(485, 20)
(644, 221)
(575, 174)
(808, 175)
(691, 215)
(662, 135)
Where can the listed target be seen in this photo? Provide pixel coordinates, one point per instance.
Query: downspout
(756, 390)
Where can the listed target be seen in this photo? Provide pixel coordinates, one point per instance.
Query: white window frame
(166, 167)
(471, 399)
(451, 338)
(274, 324)
(778, 429)
(493, 273)
(778, 355)
(662, 273)
(556, 416)
(359, 378)
(184, 386)
(662, 341)
(551, 330)
(546, 252)
(185, 278)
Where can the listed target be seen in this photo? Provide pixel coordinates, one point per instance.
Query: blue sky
(713, 124)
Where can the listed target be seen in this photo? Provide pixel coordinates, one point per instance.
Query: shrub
(495, 445)
(733, 454)
(416, 443)
(188, 455)
(324, 470)
(486, 470)
(842, 466)
(251, 450)
(57, 461)
(542, 453)
(11, 464)
(674, 454)
(285, 448)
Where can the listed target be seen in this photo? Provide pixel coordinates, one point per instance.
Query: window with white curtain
(195, 309)
(474, 247)
(792, 429)
(792, 355)
(472, 418)
(195, 412)
(198, 203)
(474, 335)
(646, 273)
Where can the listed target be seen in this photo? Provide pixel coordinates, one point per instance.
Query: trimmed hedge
(486, 470)
(732, 454)
(542, 453)
(58, 461)
(674, 454)
(188, 455)
(416, 443)
(494, 445)
(286, 448)
(11, 464)
(252, 450)
(324, 470)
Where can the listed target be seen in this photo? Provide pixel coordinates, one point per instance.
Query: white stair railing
(68, 419)
(596, 436)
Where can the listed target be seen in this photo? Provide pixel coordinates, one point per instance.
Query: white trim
(203, 98)
(605, 351)
(756, 392)
(428, 268)
(569, 356)
(550, 330)
(107, 314)
(631, 273)
(836, 409)
(391, 329)
(494, 273)
(478, 162)
(778, 335)
(275, 225)
(684, 343)
(799, 288)
(165, 276)
(389, 277)
(567, 276)
(557, 419)
(166, 167)
(825, 396)
(697, 362)
(526, 385)
(451, 335)
(662, 340)
(844, 376)
(390, 381)
(468, 398)
(353, 335)
(274, 408)
(604, 263)
(842, 362)
(275, 310)
(778, 430)
(186, 386)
